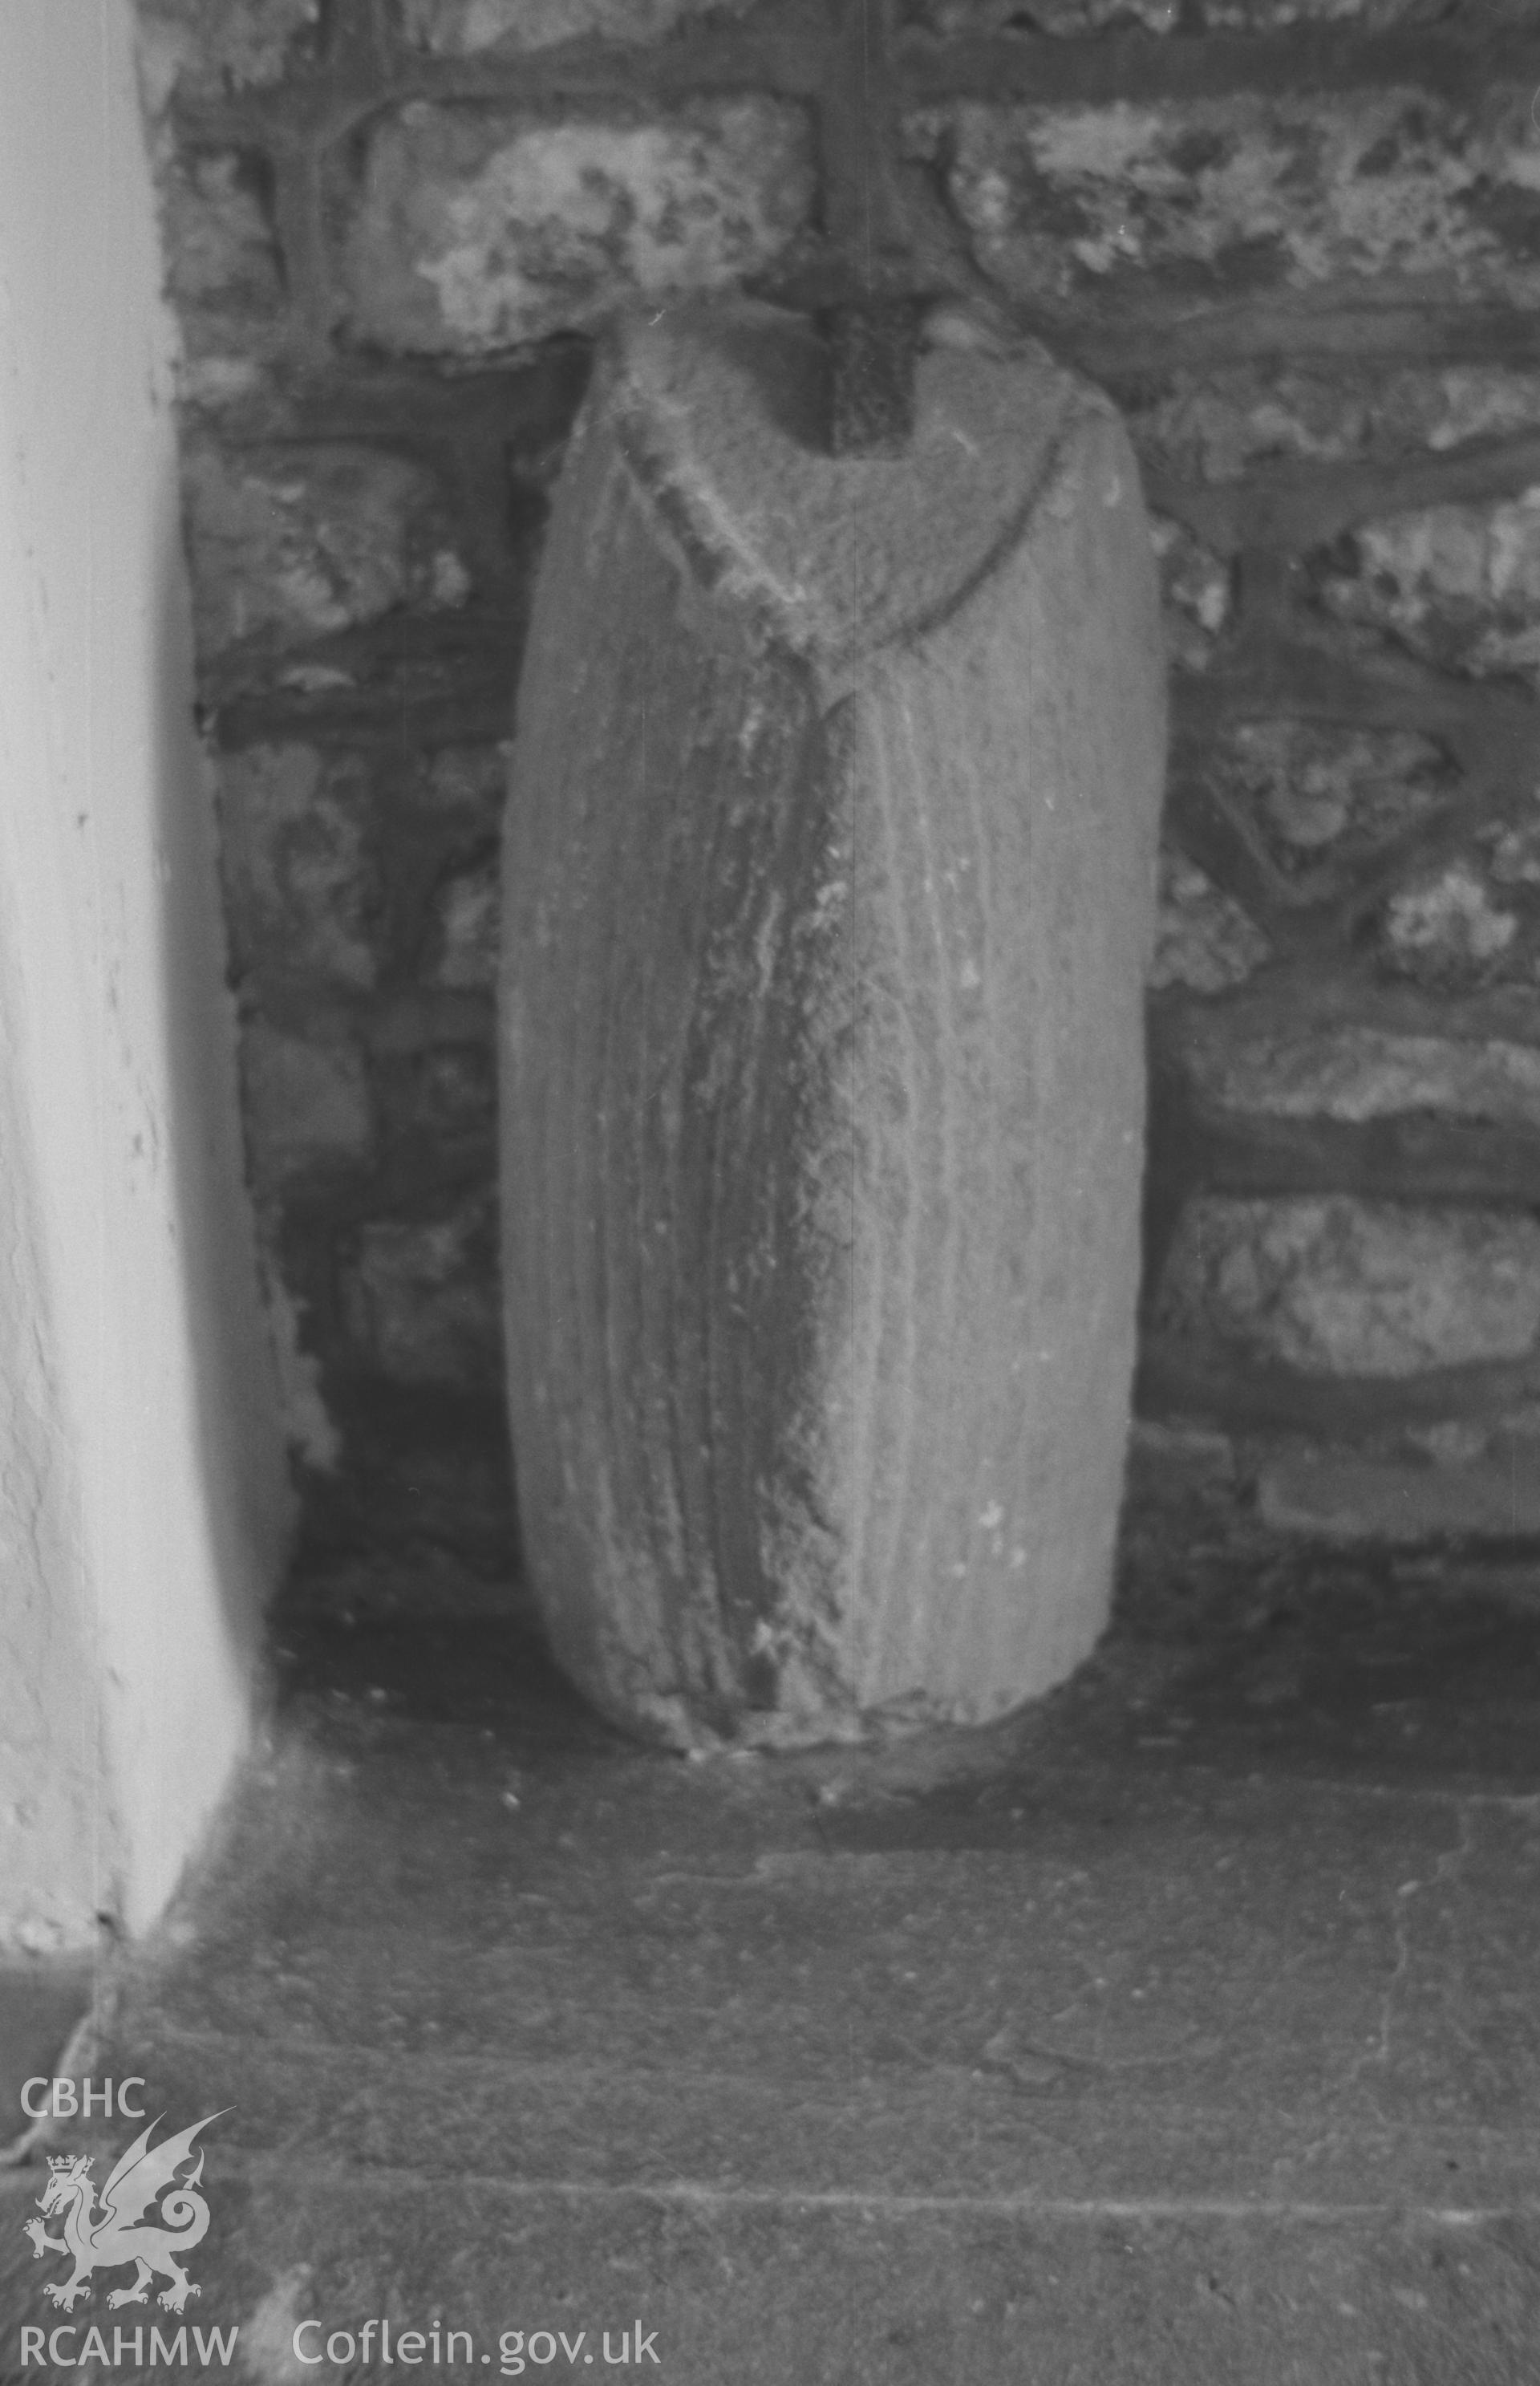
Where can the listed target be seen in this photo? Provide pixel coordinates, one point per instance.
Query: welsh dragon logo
(128, 2228)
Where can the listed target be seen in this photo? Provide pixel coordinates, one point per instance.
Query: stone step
(1330, 2124)
(1174, 1984)
(1185, 2031)
(865, 2289)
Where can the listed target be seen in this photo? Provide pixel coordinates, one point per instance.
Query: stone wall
(1299, 241)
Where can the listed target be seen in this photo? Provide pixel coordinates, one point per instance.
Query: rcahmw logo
(144, 2214)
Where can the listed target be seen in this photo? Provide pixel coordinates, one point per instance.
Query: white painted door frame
(144, 1496)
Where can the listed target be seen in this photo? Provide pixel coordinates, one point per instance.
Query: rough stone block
(829, 888)
(1441, 409)
(215, 379)
(1510, 1439)
(306, 1104)
(1197, 586)
(220, 248)
(1064, 17)
(1459, 585)
(464, 783)
(1340, 1496)
(1216, 426)
(1203, 939)
(422, 1302)
(1514, 852)
(1351, 1071)
(1072, 18)
(205, 49)
(298, 543)
(475, 229)
(299, 883)
(1174, 1457)
(1445, 927)
(436, 1102)
(1318, 792)
(1141, 206)
(461, 28)
(224, 277)
(1343, 1286)
(468, 913)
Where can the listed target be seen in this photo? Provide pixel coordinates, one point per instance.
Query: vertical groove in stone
(830, 877)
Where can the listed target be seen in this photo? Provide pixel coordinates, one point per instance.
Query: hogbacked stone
(830, 865)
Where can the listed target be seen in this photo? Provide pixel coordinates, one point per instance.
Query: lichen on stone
(205, 49)
(1319, 792)
(1249, 193)
(298, 543)
(1441, 409)
(1457, 584)
(474, 231)
(1444, 926)
(1195, 585)
(1215, 426)
(463, 28)
(1070, 19)
(1343, 1286)
(1351, 1071)
(1219, 424)
(219, 246)
(1203, 939)
(1514, 852)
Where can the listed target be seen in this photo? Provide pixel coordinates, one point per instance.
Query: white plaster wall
(144, 1498)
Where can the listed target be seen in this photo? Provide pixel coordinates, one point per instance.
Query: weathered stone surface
(1197, 586)
(1174, 1465)
(1318, 792)
(821, 1141)
(422, 1302)
(225, 279)
(1348, 1498)
(1511, 1438)
(299, 883)
(205, 48)
(1203, 939)
(309, 1429)
(1143, 205)
(1445, 928)
(1060, 16)
(461, 28)
(298, 543)
(220, 247)
(468, 913)
(212, 381)
(435, 1102)
(1354, 1287)
(1215, 426)
(307, 1103)
(473, 230)
(1514, 853)
(1352, 1072)
(1457, 584)
(469, 781)
(1460, 402)
(1070, 18)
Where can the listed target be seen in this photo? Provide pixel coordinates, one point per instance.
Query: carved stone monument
(829, 868)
